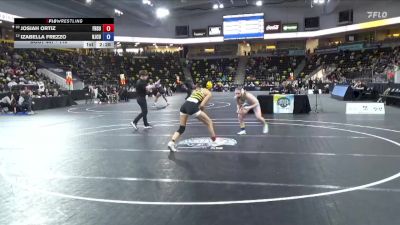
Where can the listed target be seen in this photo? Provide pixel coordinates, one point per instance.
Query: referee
(141, 90)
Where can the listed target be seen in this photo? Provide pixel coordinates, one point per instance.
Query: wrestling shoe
(171, 146)
(265, 129)
(242, 132)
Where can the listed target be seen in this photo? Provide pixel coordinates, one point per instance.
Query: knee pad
(181, 129)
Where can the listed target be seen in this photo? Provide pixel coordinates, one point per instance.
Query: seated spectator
(25, 102)
(55, 92)
(6, 103)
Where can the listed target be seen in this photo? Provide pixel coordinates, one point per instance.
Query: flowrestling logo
(377, 14)
(205, 142)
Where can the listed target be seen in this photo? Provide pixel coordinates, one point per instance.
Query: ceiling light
(259, 3)
(215, 6)
(221, 6)
(321, 1)
(162, 12)
(315, 1)
(88, 2)
(118, 12)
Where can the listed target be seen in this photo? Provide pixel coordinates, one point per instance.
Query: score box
(108, 27)
(108, 36)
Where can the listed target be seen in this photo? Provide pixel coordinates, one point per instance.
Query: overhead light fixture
(221, 6)
(162, 12)
(88, 2)
(321, 1)
(118, 12)
(147, 2)
(315, 1)
(215, 6)
(259, 3)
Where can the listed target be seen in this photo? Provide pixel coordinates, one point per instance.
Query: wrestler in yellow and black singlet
(197, 94)
(191, 106)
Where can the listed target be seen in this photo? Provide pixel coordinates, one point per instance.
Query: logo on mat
(205, 142)
(283, 102)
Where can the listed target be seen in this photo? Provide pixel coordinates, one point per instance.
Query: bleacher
(352, 64)
(217, 70)
(271, 69)
(18, 67)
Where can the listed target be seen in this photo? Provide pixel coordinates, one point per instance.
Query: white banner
(365, 108)
(397, 77)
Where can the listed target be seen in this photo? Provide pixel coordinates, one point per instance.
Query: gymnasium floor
(86, 165)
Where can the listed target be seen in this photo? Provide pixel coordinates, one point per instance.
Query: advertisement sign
(351, 47)
(214, 30)
(290, 27)
(365, 108)
(199, 33)
(283, 103)
(273, 27)
(326, 50)
(297, 52)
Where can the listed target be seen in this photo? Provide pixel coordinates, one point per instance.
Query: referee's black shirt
(141, 88)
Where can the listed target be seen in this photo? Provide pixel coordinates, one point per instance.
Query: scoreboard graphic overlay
(244, 26)
(64, 33)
